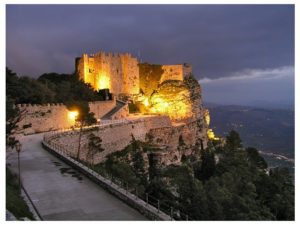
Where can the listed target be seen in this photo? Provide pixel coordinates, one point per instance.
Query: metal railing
(150, 201)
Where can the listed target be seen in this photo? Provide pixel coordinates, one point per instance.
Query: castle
(120, 73)
(167, 98)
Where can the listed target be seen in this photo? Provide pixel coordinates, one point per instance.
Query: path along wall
(115, 137)
(47, 117)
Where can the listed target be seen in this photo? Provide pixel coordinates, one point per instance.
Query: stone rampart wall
(47, 117)
(172, 72)
(120, 72)
(115, 137)
(100, 108)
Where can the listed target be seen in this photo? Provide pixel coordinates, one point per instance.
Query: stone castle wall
(130, 74)
(171, 72)
(175, 72)
(121, 74)
(118, 72)
(100, 108)
(115, 136)
(156, 129)
(40, 118)
(47, 117)
(152, 75)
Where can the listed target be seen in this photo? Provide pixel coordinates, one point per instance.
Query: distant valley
(269, 130)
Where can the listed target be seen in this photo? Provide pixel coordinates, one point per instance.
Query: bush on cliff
(48, 88)
(237, 186)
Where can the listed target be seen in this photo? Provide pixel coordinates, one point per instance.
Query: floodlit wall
(121, 72)
(115, 137)
(118, 72)
(47, 117)
(172, 72)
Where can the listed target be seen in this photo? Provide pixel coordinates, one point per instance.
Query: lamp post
(18, 149)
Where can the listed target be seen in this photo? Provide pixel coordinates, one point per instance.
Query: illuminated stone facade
(121, 73)
(47, 117)
(117, 72)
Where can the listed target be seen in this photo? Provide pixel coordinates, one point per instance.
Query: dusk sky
(241, 54)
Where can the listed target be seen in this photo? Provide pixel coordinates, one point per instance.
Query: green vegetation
(221, 183)
(94, 146)
(48, 88)
(14, 201)
(84, 117)
(13, 116)
(127, 165)
(194, 87)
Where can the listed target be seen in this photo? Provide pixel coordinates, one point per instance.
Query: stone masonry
(120, 72)
(47, 117)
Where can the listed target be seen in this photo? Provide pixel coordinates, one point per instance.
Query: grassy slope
(14, 202)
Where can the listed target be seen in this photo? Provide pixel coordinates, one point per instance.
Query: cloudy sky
(241, 54)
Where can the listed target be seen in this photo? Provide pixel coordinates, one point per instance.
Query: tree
(208, 165)
(27, 90)
(233, 141)
(85, 118)
(256, 159)
(13, 116)
(276, 191)
(94, 146)
(124, 172)
(138, 161)
(68, 88)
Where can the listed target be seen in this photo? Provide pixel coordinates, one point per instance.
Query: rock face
(172, 98)
(182, 102)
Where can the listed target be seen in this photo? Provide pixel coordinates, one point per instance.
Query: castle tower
(117, 72)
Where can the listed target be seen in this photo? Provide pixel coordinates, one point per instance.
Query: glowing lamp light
(73, 115)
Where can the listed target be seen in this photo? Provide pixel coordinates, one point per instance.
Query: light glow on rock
(176, 106)
(211, 135)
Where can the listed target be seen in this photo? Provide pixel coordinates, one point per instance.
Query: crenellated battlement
(120, 73)
(21, 106)
(115, 71)
(53, 116)
(108, 55)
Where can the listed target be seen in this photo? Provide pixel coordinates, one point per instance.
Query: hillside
(269, 130)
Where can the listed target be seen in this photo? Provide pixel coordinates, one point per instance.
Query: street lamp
(18, 149)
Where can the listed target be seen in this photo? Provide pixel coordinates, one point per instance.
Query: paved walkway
(61, 193)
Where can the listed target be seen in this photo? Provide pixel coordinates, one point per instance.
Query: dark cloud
(215, 39)
(218, 40)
